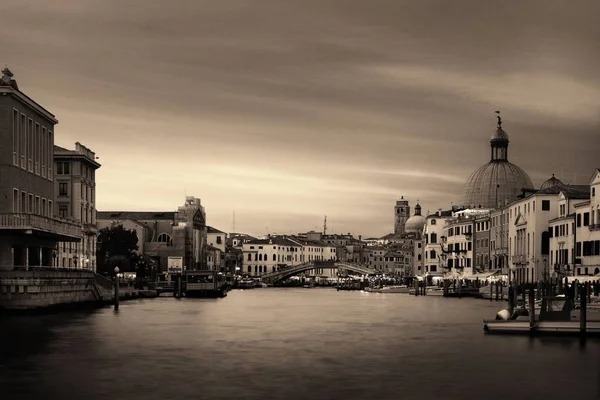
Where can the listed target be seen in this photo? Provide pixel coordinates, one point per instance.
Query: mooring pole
(531, 307)
(116, 288)
(583, 310)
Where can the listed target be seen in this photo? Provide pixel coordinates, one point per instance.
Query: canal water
(288, 344)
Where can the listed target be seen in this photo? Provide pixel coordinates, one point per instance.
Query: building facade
(587, 231)
(528, 232)
(75, 188)
(29, 228)
(166, 234)
(434, 235)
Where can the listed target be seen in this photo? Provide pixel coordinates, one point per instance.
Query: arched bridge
(297, 269)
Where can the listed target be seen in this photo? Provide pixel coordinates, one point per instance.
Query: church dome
(553, 181)
(499, 180)
(417, 222)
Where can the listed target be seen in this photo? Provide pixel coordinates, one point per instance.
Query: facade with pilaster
(29, 228)
(75, 188)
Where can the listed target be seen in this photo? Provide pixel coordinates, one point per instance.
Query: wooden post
(531, 308)
(491, 291)
(459, 289)
(583, 310)
(117, 291)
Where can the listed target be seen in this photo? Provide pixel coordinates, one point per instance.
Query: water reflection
(290, 343)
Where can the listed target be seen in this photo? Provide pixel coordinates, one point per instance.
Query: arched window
(249, 257)
(164, 238)
(260, 257)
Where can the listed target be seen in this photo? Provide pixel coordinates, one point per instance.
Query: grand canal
(288, 344)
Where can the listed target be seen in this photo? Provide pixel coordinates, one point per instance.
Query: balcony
(595, 227)
(90, 229)
(519, 259)
(58, 229)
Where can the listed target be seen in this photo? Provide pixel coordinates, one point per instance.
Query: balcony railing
(31, 222)
(519, 259)
(595, 227)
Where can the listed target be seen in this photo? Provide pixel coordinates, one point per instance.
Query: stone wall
(38, 289)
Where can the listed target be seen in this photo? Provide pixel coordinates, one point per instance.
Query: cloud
(288, 110)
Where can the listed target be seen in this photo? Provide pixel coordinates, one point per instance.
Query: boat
(434, 291)
(557, 315)
(204, 284)
(388, 289)
(485, 292)
(246, 284)
(429, 291)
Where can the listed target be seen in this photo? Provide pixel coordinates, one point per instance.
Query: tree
(116, 247)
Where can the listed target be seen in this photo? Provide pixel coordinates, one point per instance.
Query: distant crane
(325, 225)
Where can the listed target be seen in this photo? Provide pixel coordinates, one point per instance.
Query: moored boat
(388, 289)
(557, 315)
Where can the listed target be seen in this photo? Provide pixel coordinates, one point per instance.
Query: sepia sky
(286, 110)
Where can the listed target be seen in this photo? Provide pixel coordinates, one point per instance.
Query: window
(30, 204)
(38, 209)
(578, 220)
(63, 211)
(50, 210)
(249, 257)
(43, 147)
(16, 138)
(62, 189)
(274, 257)
(30, 143)
(545, 205)
(433, 222)
(593, 191)
(15, 201)
(164, 238)
(586, 219)
(219, 240)
(433, 238)
(23, 131)
(67, 168)
(50, 155)
(37, 148)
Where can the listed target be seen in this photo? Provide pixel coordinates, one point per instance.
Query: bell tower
(401, 214)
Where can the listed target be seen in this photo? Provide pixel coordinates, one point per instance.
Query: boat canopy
(583, 278)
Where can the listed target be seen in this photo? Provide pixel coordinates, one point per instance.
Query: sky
(286, 111)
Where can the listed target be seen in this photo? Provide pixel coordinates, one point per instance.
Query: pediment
(595, 178)
(561, 196)
(520, 220)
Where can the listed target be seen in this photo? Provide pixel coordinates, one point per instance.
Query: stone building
(166, 234)
(528, 228)
(29, 228)
(401, 215)
(75, 188)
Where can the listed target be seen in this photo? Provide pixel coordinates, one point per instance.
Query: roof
(570, 191)
(66, 153)
(214, 230)
(444, 213)
(212, 248)
(9, 85)
(136, 215)
(274, 240)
